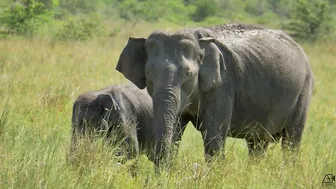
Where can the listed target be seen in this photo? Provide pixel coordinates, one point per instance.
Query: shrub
(80, 28)
(25, 18)
(141, 10)
(173, 10)
(78, 6)
(204, 9)
(256, 8)
(310, 21)
(178, 12)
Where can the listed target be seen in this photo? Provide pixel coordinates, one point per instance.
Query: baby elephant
(122, 108)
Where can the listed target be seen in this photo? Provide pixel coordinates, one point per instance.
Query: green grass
(40, 79)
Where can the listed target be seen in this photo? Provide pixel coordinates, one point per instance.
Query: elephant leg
(213, 142)
(216, 119)
(292, 134)
(257, 148)
(128, 133)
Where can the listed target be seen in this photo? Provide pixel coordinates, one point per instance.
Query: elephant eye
(188, 73)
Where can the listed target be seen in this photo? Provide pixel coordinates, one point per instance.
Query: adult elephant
(235, 80)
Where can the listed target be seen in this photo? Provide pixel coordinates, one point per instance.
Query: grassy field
(40, 79)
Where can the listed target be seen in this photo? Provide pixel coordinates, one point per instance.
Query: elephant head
(94, 114)
(176, 69)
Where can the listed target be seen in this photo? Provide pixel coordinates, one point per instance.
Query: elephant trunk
(165, 106)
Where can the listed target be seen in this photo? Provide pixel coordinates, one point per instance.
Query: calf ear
(106, 102)
(132, 61)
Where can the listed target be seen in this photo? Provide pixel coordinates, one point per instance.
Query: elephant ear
(212, 62)
(132, 61)
(106, 102)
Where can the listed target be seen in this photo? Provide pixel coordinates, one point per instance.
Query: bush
(80, 28)
(310, 21)
(25, 19)
(204, 9)
(78, 6)
(178, 12)
(256, 8)
(141, 10)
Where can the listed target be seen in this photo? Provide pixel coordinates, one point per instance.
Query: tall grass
(40, 79)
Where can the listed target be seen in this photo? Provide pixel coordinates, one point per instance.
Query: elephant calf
(123, 108)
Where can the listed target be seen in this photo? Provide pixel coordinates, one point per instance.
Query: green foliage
(141, 10)
(4, 3)
(25, 18)
(80, 28)
(175, 10)
(282, 8)
(78, 6)
(178, 12)
(310, 21)
(305, 19)
(48, 4)
(256, 8)
(204, 9)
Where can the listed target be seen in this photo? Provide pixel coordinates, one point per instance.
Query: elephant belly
(254, 130)
(263, 113)
(258, 123)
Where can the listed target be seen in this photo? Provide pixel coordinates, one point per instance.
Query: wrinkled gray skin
(124, 108)
(233, 80)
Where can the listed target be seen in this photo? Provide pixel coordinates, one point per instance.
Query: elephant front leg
(214, 136)
(216, 120)
(213, 144)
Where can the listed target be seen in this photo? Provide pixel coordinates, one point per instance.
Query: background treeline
(308, 20)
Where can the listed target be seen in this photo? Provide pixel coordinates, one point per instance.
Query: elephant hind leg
(292, 134)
